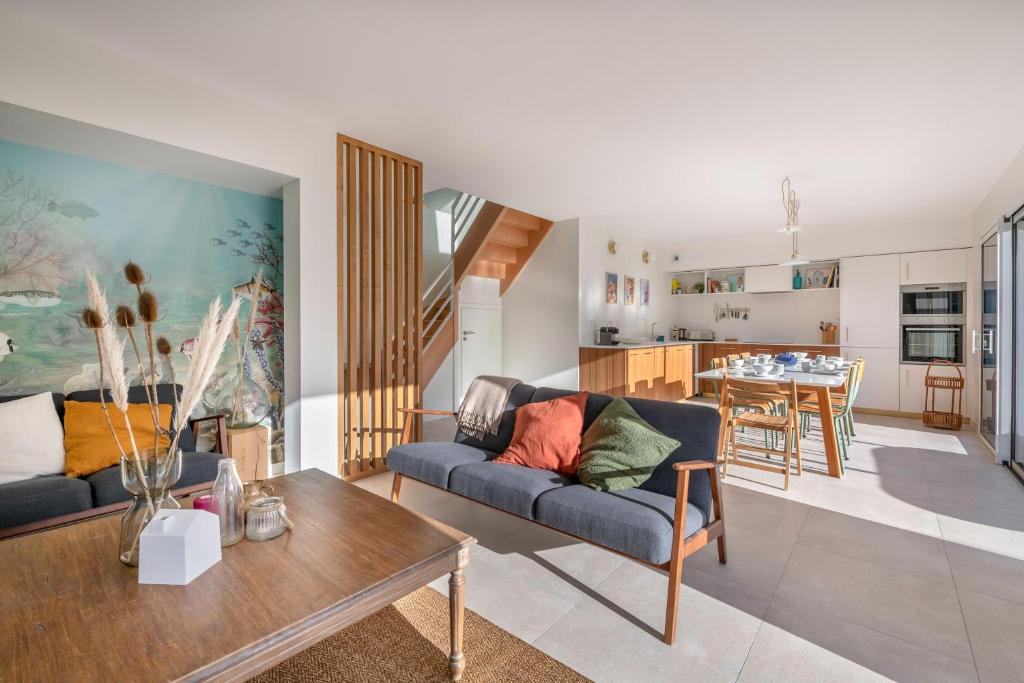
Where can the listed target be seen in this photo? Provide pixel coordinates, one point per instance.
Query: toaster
(700, 335)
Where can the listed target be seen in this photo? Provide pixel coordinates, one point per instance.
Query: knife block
(829, 336)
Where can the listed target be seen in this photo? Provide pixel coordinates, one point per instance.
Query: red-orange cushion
(547, 435)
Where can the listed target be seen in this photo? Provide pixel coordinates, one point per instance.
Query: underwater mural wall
(62, 215)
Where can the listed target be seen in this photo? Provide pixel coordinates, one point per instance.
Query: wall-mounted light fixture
(645, 256)
(611, 247)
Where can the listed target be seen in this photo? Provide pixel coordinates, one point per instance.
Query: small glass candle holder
(265, 518)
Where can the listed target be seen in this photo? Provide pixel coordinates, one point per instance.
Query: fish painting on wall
(62, 215)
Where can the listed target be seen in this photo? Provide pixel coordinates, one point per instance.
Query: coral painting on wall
(628, 290)
(62, 215)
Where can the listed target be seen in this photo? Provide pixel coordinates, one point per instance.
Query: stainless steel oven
(945, 299)
(927, 338)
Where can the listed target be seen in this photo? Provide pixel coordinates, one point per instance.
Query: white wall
(772, 247)
(1004, 198)
(539, 313)
(595, 261)
(93, 84)
(437, 248)
(777, 317)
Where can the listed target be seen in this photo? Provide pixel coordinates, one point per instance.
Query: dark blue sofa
(671, 515)
(54, 497)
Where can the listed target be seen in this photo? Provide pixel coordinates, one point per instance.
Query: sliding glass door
(1016, 339)
(989, 321)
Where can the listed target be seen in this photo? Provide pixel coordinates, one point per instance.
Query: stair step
(484, 268)
(509, 236)
(500, 253)
(518, 219)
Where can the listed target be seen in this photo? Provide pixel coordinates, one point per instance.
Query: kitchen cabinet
(912, 389)
(769, 279)
(663, 373)
(869, 301)
(933, 267)
(881, 387)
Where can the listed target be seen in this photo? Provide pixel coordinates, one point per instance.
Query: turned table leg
(457, 660)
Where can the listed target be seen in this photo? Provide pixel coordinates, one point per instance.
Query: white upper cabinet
(769, 279)
(869, 301)
(933, 267)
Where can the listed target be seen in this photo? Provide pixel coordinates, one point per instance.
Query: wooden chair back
(737, 391)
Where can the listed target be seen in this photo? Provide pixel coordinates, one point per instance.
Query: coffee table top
(68, 605)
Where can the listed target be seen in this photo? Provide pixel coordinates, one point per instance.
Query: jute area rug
(408, 641)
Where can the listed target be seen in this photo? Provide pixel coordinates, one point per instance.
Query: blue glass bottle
(798, 281)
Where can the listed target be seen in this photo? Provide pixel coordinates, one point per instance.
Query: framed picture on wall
(628, 290)
(645, 292)
(611, 288)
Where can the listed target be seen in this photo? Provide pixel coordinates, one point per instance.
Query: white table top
(808, 379)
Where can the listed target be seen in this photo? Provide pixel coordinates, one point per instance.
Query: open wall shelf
(813, 276)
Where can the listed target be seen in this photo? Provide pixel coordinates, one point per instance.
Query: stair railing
(464, 211)
(437, 304)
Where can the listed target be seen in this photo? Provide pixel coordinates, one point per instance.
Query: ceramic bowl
(828, 367)
(763, 368)
(736, 363)
(799, 355)
(764, 358)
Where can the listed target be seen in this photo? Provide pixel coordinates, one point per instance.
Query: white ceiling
(668, 119)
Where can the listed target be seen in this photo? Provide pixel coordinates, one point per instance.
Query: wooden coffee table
(70, 609)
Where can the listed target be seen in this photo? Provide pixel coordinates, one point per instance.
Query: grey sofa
(671, 515)
(28, 504)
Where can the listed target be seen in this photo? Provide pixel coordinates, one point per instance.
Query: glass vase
(241, 399)
(160, 473)
(229, 502)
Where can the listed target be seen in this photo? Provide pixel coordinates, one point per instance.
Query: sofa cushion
(695, 427)
(636, 522)
(137, 394)
(620, 450)
(196, 468)
(58, 401)
(512, 488)
(432, 463)
(547, 435)
(595, 402)
(31, 438)
(32, 500)
(89, 445)
(520, 395)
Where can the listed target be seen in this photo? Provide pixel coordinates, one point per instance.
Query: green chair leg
(849, 418)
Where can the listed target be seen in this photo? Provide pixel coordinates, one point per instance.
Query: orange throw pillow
(547, 435)
(88, 444)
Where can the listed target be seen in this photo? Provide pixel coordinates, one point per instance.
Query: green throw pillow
(620, 450)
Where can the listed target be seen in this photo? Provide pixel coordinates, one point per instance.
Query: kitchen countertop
(651, 345)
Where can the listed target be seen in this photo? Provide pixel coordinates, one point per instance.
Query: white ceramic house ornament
(177, 546)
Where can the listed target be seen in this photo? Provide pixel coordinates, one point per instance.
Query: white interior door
(479, 343)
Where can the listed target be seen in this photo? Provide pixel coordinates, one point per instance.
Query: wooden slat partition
(380, 260)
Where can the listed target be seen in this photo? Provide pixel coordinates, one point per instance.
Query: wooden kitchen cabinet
(663, 373)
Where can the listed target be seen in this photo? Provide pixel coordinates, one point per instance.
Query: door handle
(974, 341)
(907, 277)
(466, 333)
(847, 333)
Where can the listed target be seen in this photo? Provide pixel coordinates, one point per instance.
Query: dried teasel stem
(125, 318)
(163, 347)
(149, 311)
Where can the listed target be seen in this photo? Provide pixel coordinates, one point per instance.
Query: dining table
(819, 383)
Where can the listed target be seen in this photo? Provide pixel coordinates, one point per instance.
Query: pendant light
(792, 206)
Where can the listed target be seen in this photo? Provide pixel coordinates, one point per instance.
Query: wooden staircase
(496, 244)
(501, 249)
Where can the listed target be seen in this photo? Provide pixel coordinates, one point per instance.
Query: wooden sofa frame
(682, 547)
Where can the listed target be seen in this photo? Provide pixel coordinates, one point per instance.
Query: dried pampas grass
(209, 344)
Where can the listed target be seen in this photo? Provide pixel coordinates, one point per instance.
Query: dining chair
(842, 411)
(762, 406)
(784, 423)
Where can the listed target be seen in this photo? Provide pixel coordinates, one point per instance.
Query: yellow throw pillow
(88, 444)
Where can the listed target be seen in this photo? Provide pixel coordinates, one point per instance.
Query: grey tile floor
(910, 568)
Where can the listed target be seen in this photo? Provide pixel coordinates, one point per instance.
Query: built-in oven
(928, 338)
(932, 323)
(946, 299)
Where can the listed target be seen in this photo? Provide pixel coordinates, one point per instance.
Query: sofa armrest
(410, 414)
(691, 465)
(221, 445)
